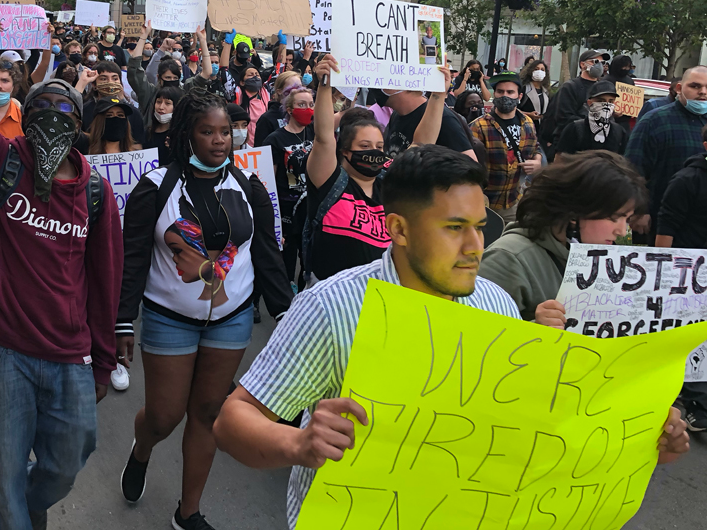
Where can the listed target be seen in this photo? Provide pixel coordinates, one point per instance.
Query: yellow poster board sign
(631, 98)
(485, 422)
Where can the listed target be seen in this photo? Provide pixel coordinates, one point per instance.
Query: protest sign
(319, 31)
(123, 171)
(258, 160)
(615, 291)
(25, 27)
(92, 13)
(261, 18)
(385, 44)
(65, 16)
(242, 38)
(630, 99)
(348, 92)
(132, 24)
(482, 421)
(178, 16)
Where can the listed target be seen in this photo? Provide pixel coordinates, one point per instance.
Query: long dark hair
(245, 98)
(96, 143)
(188, 111)
(526, 74)
(588, 185)
(167, 92)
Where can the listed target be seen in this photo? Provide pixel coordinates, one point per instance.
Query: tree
(463, 22)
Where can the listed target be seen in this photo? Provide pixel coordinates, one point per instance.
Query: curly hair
(588, 185)
(526, 74)
(15, 74)
(190, 109)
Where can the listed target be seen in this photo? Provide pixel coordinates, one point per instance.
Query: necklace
(304, 134)
(218, 233)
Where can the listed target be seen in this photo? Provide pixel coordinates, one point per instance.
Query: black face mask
(380, 97)
(75, 58)
(174, 83)
(369, 162)
(474, 112)
(131, 45)
(475, 75)
(115, 129)
(253, 84)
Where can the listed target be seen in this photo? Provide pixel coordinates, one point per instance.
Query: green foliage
(463, 21)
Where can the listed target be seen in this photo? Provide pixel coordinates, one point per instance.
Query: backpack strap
(94, 197)
(11, 174)
(243, 181)
(165, 190)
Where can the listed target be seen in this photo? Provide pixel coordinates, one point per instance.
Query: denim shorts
(161, 335)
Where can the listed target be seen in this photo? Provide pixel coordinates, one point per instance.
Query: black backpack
(13, 170)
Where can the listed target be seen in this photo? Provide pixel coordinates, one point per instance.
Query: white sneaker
(120, 378)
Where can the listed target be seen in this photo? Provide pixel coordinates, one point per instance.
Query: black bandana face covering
(51, 134)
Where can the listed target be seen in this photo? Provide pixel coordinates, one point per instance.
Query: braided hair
(188, 111)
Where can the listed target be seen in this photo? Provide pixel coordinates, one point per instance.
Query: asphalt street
(237, 497)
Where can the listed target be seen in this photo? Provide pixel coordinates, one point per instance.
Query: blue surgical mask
(214, 68)
(56, 49)
(306, 79)
(696, 106)
(198, 164)
(4, 98)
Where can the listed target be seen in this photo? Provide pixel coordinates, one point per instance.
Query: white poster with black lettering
(388, 44)
(615, 291)
(320, 31)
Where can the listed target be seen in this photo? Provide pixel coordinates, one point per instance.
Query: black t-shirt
(219, 215)
(159, 140)
(578, 137)
(289, 153)
(471, 85)
(352, 232)
(115, 53)
(401, 129)
(514, 128)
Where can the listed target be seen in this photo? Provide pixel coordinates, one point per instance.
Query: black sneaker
(132, 480)
(696, 418)
(196, 521)
(39, 520)
(256, 315)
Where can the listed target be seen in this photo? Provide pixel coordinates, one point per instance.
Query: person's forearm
(137, 52)
(663, 241)
(427, 131)
(205, 59)
(225, 55)
(324, 113)
(243, 432)
(459, 91)
(39, 73)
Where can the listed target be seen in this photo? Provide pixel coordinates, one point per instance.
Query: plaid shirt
(660, 144)
(503, 189)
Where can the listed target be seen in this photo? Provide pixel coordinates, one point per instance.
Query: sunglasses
(46, 104)
(595, 61)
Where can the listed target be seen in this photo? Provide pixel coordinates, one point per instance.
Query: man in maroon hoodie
(59, 291)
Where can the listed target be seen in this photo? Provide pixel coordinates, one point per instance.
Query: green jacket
(524, 268)
(144, 90)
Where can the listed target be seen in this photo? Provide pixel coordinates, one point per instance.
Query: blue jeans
(50, 408)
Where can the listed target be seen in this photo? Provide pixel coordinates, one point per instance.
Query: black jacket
(578, 137)
(571, 99)
(270, 121)
(683, 210)
(149, 274)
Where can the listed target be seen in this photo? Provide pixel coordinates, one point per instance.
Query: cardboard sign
(25, 27)
(481, 421)
(177, 16)
(261, 18)
(92, 13)
(617, 291)
(319, 31)
(379, 44)
(258, 160)
(123, 171)
(631, 99)
(132, 24)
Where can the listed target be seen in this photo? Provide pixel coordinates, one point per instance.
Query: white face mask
(92, 58)
(177, 55)
(239, 136)
(163, 118)
(538, 75)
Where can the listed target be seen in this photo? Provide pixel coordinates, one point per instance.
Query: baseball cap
(601, 88)
(243, 50)
(237, 113)
(11, 55)
(104, 104)
(55, 86)
(591, 54)
(511, 77)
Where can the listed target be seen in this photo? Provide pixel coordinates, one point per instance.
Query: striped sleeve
(496, 300)
(294, 370)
